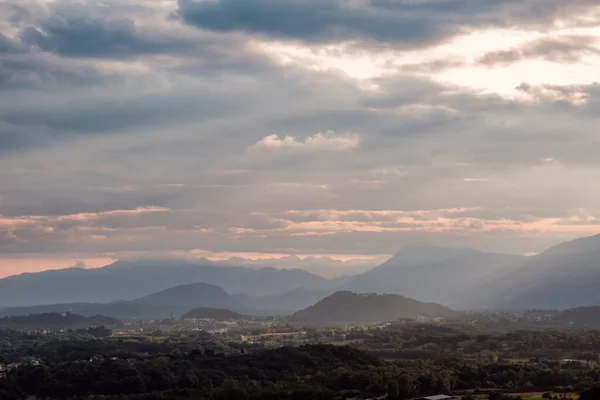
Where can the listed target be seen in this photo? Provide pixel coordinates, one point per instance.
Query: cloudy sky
(263, 128)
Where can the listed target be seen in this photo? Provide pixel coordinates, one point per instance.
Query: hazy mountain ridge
(349, 307)
(324, 266)
(564, 276)
(438, 274)
(577, 246)
(178, 301)
(132, 280)
(170, 302)
(191, 295)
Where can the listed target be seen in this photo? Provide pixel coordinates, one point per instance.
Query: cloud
(46, 124)
(575, 94)
(566, 49)
(373, 231)
(312, 20)
(112, 106)
(8, 45)
(91, 37)
(406, 23)
(36, 72)
(328, 142)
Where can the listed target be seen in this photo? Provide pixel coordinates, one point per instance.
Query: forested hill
(348, 307)
(212, 313)
(56, 321)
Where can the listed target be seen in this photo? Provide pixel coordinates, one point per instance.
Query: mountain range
(324, 266)
(435, 274)
(130, 280)
(172, 302)
(565, 276)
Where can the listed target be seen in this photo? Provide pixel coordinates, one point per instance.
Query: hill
(580, 316)
(348, 307)
(132, 280)
(438, 274)
(565, 276)
(56, 321)
(212, 313)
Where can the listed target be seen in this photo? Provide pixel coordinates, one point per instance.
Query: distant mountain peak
(192, 295)
(422, 247)
(420, 254)
(433, 273)
(576, 246)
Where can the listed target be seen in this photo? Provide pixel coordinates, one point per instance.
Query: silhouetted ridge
(351, 307)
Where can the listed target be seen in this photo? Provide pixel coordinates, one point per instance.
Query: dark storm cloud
(91, 37)
(22, 67)
(401, 22)
(489, 12)
(313, 20)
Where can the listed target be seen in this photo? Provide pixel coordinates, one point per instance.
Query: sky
(318, 128)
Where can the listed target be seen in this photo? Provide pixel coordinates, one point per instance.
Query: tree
(393, 390)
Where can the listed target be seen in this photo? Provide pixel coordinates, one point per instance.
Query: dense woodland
(82, 344)
(90, 364)
(307, 372)
(422, 342)
(56, 321)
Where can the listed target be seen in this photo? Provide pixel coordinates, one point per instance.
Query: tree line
(306, 372)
